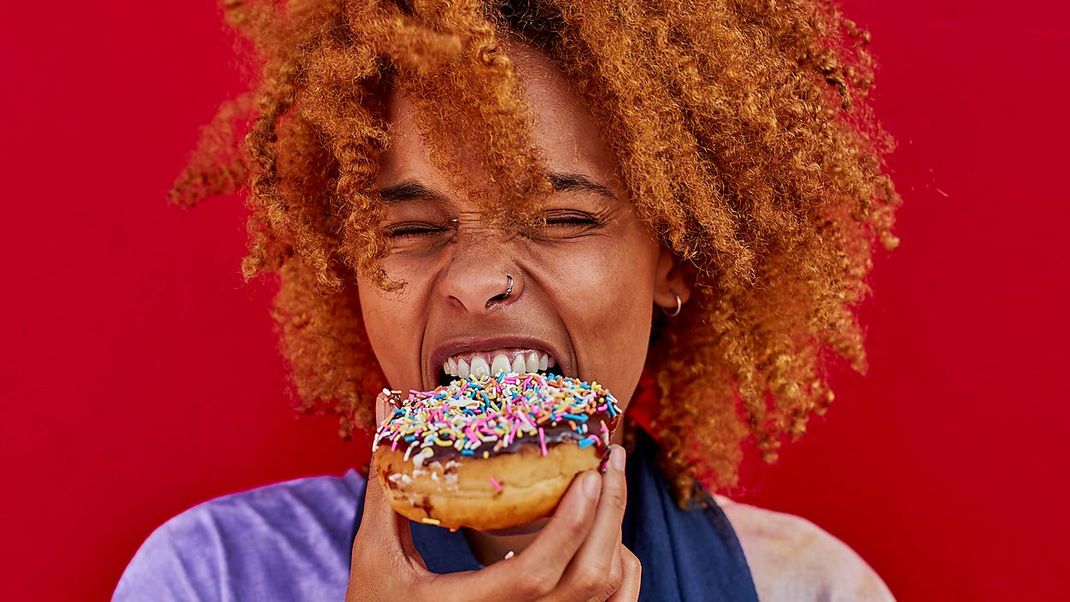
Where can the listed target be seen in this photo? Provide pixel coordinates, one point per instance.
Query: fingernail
(381, 411)
(591, 485)
(617, 458)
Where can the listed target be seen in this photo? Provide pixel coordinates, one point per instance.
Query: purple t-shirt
(287, 541)
(291, 541)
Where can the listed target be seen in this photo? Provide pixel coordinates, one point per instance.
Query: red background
(140, 376)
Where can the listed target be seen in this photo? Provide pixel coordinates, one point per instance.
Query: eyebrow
(412, 190)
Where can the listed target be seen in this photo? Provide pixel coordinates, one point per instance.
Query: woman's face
(583, 289)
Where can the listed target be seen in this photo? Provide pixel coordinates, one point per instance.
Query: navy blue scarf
(686, 555)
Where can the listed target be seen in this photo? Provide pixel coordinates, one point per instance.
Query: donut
(491, 452)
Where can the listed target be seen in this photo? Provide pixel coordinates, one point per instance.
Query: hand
(578, 555)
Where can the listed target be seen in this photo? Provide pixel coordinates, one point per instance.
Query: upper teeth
(480, 364)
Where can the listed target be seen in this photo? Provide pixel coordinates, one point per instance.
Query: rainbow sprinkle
(483, 415)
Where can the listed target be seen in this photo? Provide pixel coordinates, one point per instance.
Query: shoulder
(251, 544)
(791, 558)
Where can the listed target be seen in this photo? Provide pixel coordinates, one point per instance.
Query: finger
(603, 590)
(632, 574)
(613, 580)
(615, 577)
(595, 570)
(553, 549)
(536, 571)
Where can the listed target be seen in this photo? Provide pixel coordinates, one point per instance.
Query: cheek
(605, 298)
(612, 294)
(392, 333)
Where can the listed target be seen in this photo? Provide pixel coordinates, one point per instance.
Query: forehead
(563, 129)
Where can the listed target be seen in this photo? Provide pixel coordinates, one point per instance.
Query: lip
(474, 344)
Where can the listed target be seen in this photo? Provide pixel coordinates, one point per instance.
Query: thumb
(383, 531)
(382, 521)
(385, 403)
(384, 558)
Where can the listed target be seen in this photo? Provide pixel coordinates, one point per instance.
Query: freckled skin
(589, 288)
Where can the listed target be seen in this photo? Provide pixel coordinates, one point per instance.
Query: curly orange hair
(744, 139)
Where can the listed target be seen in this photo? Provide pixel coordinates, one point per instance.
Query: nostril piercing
(506, 294)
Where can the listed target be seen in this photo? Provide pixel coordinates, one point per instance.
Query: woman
(436, 181)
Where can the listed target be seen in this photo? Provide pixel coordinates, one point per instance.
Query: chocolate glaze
(554, 435)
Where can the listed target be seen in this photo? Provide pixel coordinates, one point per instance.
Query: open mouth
(486, 363)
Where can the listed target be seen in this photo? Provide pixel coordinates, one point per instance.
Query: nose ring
(502, 296)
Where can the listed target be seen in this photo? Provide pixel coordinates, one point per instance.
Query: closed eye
(570, 223)
(571, 218)
(413, 230)
(565, 224)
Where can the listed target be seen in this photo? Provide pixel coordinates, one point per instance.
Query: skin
(586, 285)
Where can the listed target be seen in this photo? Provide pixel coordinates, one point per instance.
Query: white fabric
(792, 559)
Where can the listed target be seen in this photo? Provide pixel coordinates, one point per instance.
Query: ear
(671, 278)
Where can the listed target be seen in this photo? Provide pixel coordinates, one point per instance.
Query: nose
(481, 278)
